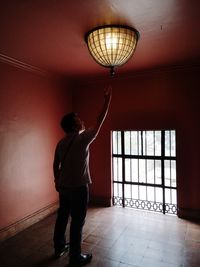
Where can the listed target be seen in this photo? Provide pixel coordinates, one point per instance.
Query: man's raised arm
(102, 115)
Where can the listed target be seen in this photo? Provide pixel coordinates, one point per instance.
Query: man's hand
(103, 113)
(108, 93)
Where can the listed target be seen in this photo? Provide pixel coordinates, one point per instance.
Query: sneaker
(81, 260)
(61, 252)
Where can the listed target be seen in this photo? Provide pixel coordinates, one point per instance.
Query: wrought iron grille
(144, 170)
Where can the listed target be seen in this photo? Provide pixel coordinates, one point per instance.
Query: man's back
(73, 153)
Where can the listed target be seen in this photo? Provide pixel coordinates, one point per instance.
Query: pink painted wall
(167, 99)
(30, 110)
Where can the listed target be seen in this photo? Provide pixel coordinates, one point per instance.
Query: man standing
(72, 176)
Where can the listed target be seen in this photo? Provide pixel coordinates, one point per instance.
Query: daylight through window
(144, 170)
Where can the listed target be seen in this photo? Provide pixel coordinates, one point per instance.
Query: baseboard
(24, 223)
(189, 214)
(100, 201)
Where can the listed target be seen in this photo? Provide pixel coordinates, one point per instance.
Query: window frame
(120, 154)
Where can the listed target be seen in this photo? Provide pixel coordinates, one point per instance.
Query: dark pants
(73, 201)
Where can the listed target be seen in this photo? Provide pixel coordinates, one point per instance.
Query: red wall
(167, 99)
(30, 110)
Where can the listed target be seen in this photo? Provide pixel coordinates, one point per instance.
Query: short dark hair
(68, 122)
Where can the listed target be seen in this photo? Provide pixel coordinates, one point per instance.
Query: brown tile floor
(117, 237)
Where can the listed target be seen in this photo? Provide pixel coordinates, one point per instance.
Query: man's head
(71, 123)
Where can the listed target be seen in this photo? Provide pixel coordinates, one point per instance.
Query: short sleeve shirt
(74, 159)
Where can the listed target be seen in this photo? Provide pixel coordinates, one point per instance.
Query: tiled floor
(117, 237)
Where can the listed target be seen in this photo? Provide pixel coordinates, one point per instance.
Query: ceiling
(49, 34)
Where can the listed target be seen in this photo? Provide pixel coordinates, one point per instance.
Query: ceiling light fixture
(112, 45)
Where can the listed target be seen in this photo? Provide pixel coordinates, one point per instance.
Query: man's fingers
(108, 90)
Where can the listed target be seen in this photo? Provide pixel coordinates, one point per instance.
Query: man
(72, 176)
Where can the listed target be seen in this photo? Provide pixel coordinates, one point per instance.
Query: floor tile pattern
(117, 237)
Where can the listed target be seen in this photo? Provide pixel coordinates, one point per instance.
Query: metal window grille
(144, 170)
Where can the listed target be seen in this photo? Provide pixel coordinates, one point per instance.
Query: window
(144, 170)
